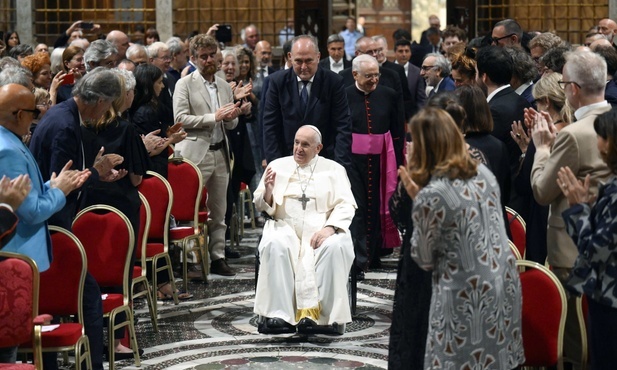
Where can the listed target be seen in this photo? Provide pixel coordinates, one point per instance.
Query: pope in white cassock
(306, 250)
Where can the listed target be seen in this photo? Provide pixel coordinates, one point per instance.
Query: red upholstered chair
(19, 294)
(187, 184)
(518, 230)
(544, 315)
(61, 294)
(108, 238)
(139, 272)
(157, 192)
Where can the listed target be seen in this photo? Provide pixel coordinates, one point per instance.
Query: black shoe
(275, 326)
(230, 253)
(220, 267)
(308, 326)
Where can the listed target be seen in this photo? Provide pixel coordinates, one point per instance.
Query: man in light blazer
(583, 81)
(17, 110)
(204, 104)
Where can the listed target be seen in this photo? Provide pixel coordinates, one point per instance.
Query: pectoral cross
(303, 199)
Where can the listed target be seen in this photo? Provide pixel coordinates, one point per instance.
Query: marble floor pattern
(217, 329)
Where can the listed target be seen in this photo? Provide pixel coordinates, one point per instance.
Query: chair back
(187, 185)
(142, 232)
(544, 315)
(518, 230)
(157, 191)
(62, 285)
(514, 250)
(108, 238)
(19, 288)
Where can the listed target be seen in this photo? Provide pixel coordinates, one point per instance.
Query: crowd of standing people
(515, 118)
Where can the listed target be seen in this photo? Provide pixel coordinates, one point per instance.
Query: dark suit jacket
(447, 84)
(407, 98)
(506, 107)
(528, 95)
(327, 109)
(610, 93)
(417, 87)
(325, 63)
(56, 140)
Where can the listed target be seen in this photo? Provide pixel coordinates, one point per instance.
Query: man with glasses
(204, 104)
(583, 81)
(378, 132)
(100, 53)
(160, 57)
(507, 33)
(42, 199)
(138, 54)
(436, 72)
(306, 94)
(382, 51)
(539, 45)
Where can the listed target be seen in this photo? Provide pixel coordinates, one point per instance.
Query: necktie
(304, 96)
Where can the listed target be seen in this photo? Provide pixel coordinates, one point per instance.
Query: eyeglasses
(45, 104)
(495, 40)
(427, 68)
(35, 112)
(563, 84)
(164, 57)
(372, 75)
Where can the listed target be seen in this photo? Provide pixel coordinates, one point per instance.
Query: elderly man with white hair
(377, 126)
(583, 81)
(306, 250)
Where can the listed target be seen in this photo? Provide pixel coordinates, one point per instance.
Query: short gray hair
(155, 48)
(588, 70)
(441, 62)
(16, 75)
(97, 51)
(227, 53)
(128, 77)
(134, 49)
(57, 65)
(357, 62)
(335, 38)
(175, 45)
(100, 83)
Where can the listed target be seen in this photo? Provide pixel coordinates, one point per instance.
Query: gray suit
(195, 109)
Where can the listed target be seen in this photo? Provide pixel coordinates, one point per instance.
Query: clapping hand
(227, 112)
(13, 192)
(104, 165)
(69, 180)
(573, 189)
(543, 132)
(519, 134)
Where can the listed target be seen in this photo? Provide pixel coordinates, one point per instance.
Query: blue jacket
(32, 236)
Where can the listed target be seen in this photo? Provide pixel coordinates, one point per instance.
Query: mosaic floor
(218, 330)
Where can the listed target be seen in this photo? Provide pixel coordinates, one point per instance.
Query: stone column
(164, 19)
(23, 21)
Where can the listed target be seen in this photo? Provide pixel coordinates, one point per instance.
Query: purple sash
(382, 144)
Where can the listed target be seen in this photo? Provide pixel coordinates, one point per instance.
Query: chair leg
(133, 337)
(151, 306)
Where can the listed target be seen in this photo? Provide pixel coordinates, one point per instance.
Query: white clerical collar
(300, 80)
(359, 88)
(491, 95)
(582, 111)
(337, 64)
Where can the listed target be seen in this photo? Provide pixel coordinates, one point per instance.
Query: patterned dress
(475, 317)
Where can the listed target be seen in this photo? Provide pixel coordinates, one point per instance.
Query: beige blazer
(575, 147)
(193, 107)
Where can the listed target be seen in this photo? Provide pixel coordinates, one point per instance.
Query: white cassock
(296, 280)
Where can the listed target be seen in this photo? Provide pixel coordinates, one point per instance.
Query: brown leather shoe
(220, 267)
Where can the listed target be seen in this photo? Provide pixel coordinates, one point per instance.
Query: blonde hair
(439, 148)
(548, 87)
(114, 112)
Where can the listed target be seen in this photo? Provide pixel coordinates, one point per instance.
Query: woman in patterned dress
(459, 233)
(593, 227)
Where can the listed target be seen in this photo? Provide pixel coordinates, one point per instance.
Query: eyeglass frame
(495, 40)
(35, 112)
(563, 84)
(371, 75)
(427, 68)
